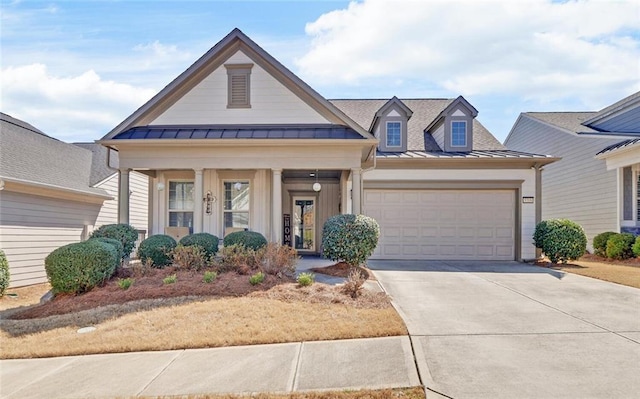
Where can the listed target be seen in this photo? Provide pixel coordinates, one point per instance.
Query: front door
(304, 223)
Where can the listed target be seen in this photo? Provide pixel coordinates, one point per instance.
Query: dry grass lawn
(400, 393)
(193, 322)
(621, 274)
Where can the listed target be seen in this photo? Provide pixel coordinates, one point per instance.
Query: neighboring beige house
(596, 182)
(237, 141)
(54, 193)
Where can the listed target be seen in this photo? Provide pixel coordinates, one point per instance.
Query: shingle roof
(571, 121)
(424, 112)
(240, 132)
(99, 169)
(613, 107)
(30, 156)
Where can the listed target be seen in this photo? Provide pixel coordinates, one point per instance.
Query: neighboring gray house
(596, 182)
(51, 194)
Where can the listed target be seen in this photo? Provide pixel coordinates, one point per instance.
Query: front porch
(287, 206)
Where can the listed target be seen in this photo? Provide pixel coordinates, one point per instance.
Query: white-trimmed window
(394, 134)
(458, 134)
(181, 204)
(239, 85)
(237, 206)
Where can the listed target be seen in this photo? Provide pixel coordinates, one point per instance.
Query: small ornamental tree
(560, 240)
(350, 238)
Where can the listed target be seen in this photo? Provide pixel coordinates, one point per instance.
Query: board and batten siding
(138, 201)
(32, 226)
(578, 187)
(271, 102)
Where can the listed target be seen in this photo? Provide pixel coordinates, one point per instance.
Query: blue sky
(75, 69)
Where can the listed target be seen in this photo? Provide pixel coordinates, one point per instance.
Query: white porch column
(123, 196)
(198, 195)
(276, 206)
(356, 178)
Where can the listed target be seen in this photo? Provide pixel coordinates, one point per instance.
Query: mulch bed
(625, 262)
(151, 286)
(340, 269)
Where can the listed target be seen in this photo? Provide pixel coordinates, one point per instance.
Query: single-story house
(596, 184)
(237, 141)
(54, 193)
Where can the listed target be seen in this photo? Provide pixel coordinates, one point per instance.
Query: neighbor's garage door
(443, 224)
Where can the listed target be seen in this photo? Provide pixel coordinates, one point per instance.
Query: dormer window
(394, 134)
(459, 134)
(239, 85)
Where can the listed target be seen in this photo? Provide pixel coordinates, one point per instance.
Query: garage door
(443, 224)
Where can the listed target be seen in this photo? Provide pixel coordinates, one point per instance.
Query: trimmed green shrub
(620, 246)
(257, 278)
(561, 240)
(116, 244)
(248, 239)
(122, 232)
(157, 248)
(636, 247)
(540, 232)
(170, 279)
(600, 243)
(125, 283)
(306, 279)
(209, 276)
(5, 276)
(78, 267)
(350, 238)
(206, 241)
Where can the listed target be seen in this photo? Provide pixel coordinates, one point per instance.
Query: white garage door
(443, 224)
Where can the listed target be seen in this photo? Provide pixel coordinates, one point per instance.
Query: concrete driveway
(511, 330)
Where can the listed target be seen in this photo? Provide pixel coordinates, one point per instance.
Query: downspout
(538, 201)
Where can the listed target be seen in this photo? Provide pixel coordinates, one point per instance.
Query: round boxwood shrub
(116, 244)
(122, 232)
(206, 241)
(620, 246)
(4, 273)
(600, 243)
(158, 249)
(636, 247)
(78, 267)
(248, 239)
(560, 239)
(350, 238)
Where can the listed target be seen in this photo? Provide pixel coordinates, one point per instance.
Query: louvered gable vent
(239, 85)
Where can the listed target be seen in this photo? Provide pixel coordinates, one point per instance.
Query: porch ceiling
(311, 174)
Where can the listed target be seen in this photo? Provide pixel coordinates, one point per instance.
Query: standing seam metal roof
(240, 132)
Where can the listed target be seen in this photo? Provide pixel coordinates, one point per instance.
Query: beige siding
(271, 102)
(578, 187)
(33, 226)
(138, 203)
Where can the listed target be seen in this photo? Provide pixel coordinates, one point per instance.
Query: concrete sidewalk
(323, 365)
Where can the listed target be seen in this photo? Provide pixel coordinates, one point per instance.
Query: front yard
(625, 272)
(226, 312)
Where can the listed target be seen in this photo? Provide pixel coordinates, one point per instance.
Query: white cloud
(71, 108)
(535, 50)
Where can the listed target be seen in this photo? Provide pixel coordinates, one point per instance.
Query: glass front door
(304, 223)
